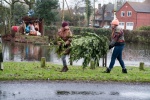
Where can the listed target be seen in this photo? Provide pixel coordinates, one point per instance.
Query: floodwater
(47, 90)
(133, 54)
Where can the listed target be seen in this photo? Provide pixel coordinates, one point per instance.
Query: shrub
(147, 28)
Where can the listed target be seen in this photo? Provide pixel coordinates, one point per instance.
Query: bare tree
(103, 13)
(77, 11)
(11, 4)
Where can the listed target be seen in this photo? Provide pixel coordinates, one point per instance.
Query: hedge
(130, 36)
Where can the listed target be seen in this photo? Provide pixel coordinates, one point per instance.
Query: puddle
(79, 93)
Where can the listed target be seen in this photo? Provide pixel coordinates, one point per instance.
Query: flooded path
(47, 90)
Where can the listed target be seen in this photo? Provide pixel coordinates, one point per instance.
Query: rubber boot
(124, 70)
(65, 69)
(62, 70)
(107, 70)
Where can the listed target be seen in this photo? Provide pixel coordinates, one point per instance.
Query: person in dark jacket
(66, 35)
(118, 42)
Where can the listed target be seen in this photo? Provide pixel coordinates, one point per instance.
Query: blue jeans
(117, 53)
(63, 58)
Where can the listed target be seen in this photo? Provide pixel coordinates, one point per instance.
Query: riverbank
(32, 71)
(26, 39)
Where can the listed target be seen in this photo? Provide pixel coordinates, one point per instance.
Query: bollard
(43, 62)
(141, 67)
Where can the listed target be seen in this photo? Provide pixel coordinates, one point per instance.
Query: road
(50, 90)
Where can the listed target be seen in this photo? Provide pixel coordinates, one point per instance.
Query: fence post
(104, 63)
(141, 67)
(1, 54)
(43, 62)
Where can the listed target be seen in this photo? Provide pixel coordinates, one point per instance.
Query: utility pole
(63, 11)
(94, 14)
(115, 9)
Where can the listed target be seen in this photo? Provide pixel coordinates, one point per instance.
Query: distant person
(27, 29)
(66, 35)
(36, 25)
(32, 29)
(118, 42)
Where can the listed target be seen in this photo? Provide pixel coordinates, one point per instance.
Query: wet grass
(33, 71)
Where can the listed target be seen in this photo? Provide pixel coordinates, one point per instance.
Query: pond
(133, 54)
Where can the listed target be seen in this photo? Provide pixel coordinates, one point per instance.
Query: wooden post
(70, 60)
(43, 62)
(92, 64)
(1, 55)
(104, 63)
(1, 66)
(141, 67)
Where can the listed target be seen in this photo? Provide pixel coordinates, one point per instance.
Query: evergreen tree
(47, 10)
(88, 10)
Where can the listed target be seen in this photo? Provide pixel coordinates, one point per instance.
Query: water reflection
(132, 54)
(24, 52)
(78, 93)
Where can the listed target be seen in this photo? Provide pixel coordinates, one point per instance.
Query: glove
(65, 46)
(110, 46)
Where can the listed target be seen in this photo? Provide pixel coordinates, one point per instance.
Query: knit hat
(64, 24)
(115, 22)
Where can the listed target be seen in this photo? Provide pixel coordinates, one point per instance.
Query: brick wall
(139, 19)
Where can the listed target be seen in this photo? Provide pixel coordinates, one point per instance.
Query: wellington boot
(124, 71)
(62, 70)
(107, 71)
(65, 69)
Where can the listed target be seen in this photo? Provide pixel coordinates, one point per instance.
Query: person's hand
(110, 46)
(67, 42)
(59, 43)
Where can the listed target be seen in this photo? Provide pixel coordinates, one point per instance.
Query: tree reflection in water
(132, 54)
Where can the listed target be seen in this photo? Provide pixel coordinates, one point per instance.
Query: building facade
(133, 15)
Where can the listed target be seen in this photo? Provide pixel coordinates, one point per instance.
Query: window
(129, 23)
(121, 23)
(129, 13)
(122, 13)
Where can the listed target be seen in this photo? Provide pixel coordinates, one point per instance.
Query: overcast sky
(71, 3)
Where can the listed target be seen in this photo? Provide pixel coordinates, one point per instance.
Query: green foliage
(146, 28)
(19, 11)
(98, 31)
(47, 9)
(90, 46)
(51, 28)
(88, 10)
(60, 50)
(137, 36)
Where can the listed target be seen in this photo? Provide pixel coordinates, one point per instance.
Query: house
(133, 15)
(105, 14)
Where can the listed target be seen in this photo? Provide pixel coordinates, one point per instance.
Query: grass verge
(33, 71)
